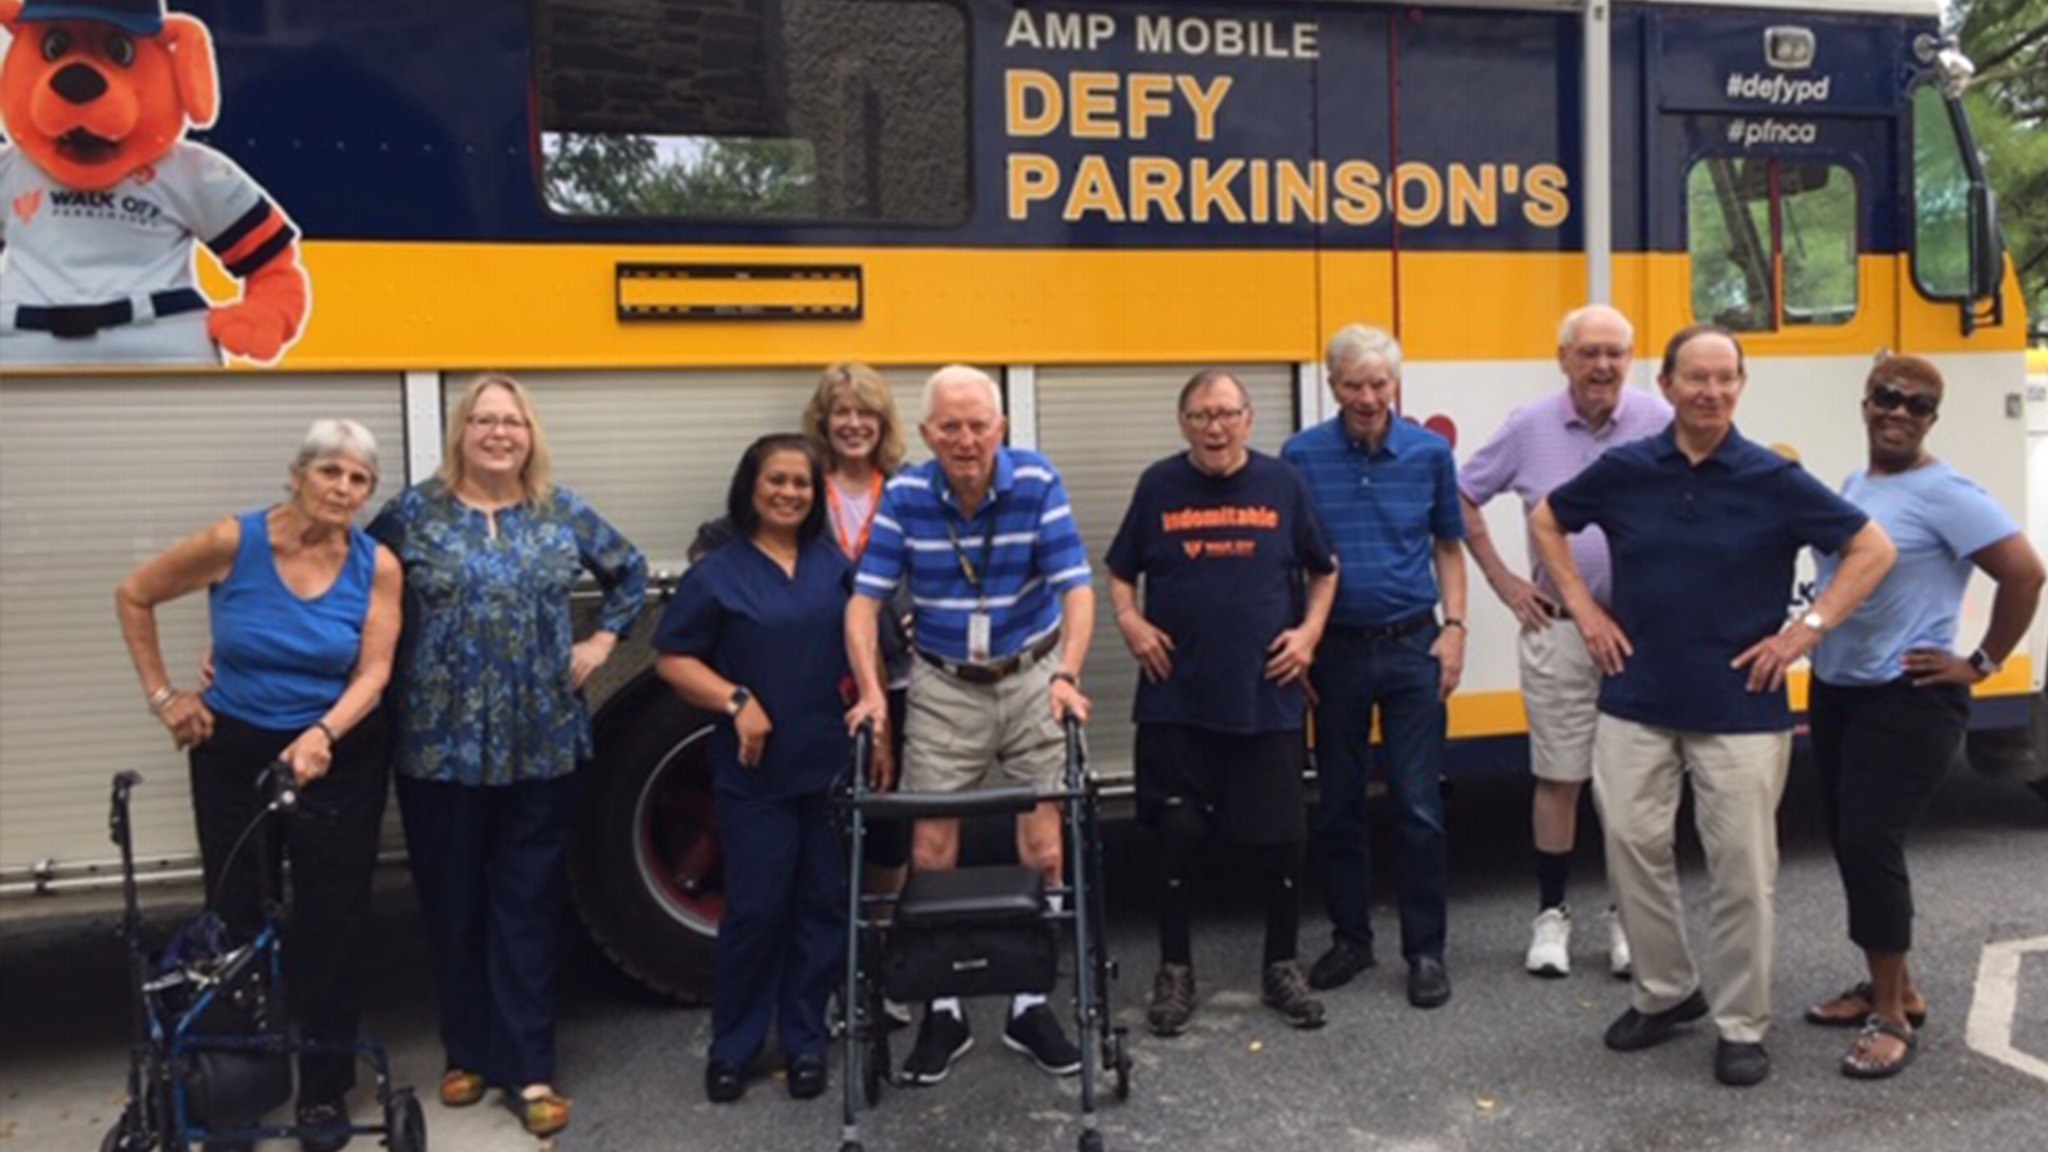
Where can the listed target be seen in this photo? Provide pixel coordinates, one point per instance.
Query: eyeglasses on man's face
(1886, 398)
(1225, 417)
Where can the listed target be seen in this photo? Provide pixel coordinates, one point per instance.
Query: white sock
(950, 1006)
(1024, 1002)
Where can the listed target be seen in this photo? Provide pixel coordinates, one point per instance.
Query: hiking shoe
(941, 1040)
(1619, 960)
(1173, 1000)
(1335, 968)
(1037, 1034)
(1285, 990)
(1550, 943)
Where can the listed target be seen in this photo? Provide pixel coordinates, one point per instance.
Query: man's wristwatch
(740, 696)
(1815, 621)
(1984, 664)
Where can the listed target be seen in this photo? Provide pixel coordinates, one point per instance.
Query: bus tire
(644, 868)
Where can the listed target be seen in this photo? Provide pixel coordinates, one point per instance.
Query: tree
(620, 175)
(2008, 103)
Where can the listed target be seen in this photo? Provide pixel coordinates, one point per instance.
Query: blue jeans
(1354, 674)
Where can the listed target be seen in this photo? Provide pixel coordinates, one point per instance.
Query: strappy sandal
(461, 1088)
(1853, 1007)
(1857, 1064)
(542, 1115)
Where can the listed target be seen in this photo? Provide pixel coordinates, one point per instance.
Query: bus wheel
(646, 865)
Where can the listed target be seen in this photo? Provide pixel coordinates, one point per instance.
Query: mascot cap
(141, 17)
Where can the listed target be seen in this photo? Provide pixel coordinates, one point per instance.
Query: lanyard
(968, 568)
(855, 548)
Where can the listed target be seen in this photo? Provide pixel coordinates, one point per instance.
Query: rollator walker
(212, 1050)
(978, 931)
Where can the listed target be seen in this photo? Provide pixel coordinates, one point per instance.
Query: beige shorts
(1561, 693)
(959, 735)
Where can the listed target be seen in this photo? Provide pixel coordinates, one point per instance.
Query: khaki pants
(1639, 772)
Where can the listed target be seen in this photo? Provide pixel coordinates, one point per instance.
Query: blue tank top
(280, 660)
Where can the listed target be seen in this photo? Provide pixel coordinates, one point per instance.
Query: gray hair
(337, 438)
(1568, 330)
(1356, 342)
(960, 376)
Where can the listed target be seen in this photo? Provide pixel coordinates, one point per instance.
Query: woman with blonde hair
(491, 726)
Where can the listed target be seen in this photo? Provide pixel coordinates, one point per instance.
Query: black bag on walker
(971, 932)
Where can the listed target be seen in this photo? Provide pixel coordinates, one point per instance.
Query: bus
(666, 215)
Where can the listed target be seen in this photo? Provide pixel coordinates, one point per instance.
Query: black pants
(1881, 752)
(487, 864)
(331, 846)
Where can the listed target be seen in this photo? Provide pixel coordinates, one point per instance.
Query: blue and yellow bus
(665, 215)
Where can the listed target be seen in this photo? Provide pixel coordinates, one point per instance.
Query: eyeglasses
(1223, 416)
(1886, 398)
(494, 423)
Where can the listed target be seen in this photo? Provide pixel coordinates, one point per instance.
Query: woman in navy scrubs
(754, 632)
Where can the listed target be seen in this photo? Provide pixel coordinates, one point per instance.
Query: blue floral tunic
(482, 682)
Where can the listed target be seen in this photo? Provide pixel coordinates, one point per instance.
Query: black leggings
(332, 847)
(1183, 833)
(1881, 753)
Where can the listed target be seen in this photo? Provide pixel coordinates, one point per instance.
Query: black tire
(405, 1123)
(874, 1070)
(644, 868)
(1120, 1064)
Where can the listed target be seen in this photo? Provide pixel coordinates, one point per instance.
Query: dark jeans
(1355, 674)
(783, 936)
(487, 864)
(1881, 752)
(331, 846)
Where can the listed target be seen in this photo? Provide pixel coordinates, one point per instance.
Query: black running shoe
(941, 1040)
(1037, 1034)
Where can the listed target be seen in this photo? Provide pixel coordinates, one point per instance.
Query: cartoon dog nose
(79, 84)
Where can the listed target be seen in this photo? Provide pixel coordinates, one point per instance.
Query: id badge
(977, 637)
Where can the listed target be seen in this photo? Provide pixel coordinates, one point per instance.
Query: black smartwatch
(1984, 664)
(740, 696)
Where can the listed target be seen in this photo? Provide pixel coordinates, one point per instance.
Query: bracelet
(332, 739)
(161, 697)
(1069, 677)
(1454, 622)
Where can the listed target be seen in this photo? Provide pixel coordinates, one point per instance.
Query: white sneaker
(1550, 944)
(1619, 961)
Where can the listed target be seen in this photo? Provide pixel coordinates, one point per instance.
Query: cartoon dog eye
(120, 49)
(56, 43)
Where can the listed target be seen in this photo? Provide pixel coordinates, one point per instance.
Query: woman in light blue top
(304, 614)
(491, 726)
(1891, 696)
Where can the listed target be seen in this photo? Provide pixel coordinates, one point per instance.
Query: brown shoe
(1285, 990)
(1173, 1000)
(461, 1088)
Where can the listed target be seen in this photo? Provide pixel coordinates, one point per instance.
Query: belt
(1392, 631)
(997, 670)
(76, 321)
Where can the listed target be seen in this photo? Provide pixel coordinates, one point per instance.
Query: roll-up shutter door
(96, 476)
(1101, 427)
(654, 452)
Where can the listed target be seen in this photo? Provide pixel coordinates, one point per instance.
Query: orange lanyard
(853, 548)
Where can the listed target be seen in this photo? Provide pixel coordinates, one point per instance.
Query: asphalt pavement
(1512, 1063)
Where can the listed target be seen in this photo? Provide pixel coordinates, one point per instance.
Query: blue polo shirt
(1384, 513)
(783, 637)
(1021, 546)
(1703, 568)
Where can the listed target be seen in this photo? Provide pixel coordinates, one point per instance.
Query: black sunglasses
(1886, 398)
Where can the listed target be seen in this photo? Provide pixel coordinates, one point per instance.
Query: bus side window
(1772, 243)
(769, 111)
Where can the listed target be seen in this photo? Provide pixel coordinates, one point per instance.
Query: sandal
(461, 1088)
(543, 1115)
(1857, 1063)
(1853, 1007)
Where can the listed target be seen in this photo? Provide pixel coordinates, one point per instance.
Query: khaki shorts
(1561, 692)
(959, 735)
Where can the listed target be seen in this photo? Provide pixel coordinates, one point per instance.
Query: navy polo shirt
(1703, 568)
(1384, 511)
(782, 637)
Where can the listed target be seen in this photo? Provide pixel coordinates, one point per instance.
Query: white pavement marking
(1997, 1000)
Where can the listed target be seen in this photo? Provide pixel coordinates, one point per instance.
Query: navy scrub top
(784, 639)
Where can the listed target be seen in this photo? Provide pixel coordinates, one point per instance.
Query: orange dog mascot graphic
(102, 198)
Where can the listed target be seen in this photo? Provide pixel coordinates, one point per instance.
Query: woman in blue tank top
(304, 613)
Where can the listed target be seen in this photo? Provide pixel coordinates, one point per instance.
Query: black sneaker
(1285, 990)
(1741, 1065)
(1429, 986)
(324, 1127)
(1634, 1031)
(942, 1039)
(1036, 1034)
(1335, 968)
(1173, 1000)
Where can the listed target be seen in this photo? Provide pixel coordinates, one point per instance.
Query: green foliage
(623, 175)
(2008, 102)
